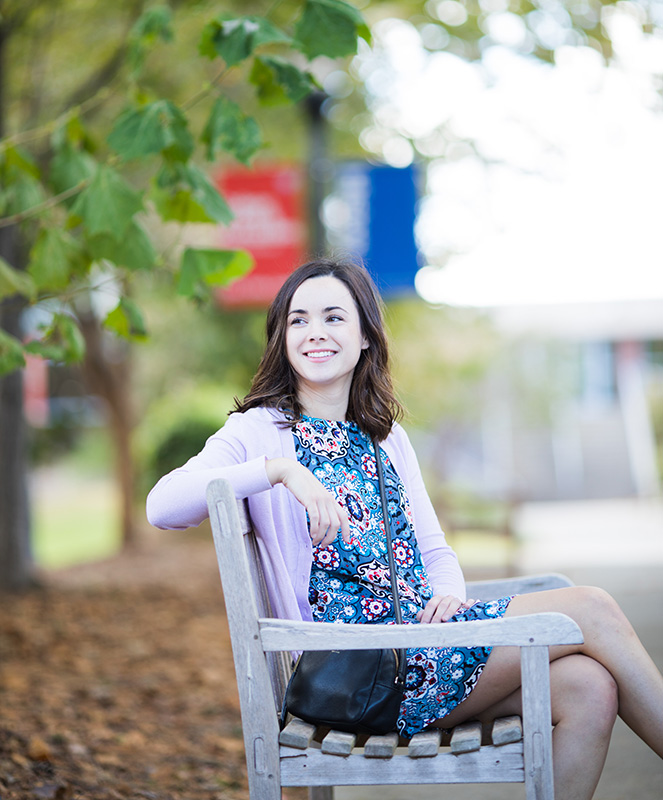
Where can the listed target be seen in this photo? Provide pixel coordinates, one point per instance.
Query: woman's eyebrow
(324, 310)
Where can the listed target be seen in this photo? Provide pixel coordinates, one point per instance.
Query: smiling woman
(304, 447)
(323, 344)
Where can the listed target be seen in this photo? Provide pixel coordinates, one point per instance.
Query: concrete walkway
(617, 545)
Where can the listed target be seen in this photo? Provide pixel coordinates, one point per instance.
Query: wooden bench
(301, 756)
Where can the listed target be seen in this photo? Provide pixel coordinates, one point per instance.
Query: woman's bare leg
(584, 709)
(609, 639)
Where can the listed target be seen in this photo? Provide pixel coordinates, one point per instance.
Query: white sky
(570, 206)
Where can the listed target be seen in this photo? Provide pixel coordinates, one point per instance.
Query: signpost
(372, 212)
(270, 222)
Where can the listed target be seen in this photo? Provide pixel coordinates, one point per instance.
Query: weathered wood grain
(381, 746)
(425, 745)
(338, 743)
(506, 730)
(488, 765)
(534, 629)
(297, 733)
(466, 738)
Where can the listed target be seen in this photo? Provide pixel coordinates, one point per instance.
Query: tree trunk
(16, 570)
(109, 376)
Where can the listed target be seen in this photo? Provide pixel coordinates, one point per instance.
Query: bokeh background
(497, 164)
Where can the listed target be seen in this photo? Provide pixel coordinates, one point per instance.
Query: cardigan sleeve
(178, 500)
(439, 558)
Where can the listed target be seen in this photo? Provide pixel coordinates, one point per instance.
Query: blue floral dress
(350, 581)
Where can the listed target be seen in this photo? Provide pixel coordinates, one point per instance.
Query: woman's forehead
(320, 293)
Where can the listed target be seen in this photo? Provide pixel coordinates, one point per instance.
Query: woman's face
(324, 339)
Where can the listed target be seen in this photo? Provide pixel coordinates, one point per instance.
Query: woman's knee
(583, 689)
(596, 609)
(597, 599)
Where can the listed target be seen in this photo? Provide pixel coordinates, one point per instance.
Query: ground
(116, 681)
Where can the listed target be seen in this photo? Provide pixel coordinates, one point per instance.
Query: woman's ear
(365, 344)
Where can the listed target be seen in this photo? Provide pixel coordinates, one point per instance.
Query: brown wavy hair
(372, 403)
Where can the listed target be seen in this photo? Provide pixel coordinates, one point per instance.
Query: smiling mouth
(320, 354)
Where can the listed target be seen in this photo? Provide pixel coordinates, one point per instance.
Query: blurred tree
(98, 133)
(84, 158)
(440, 355)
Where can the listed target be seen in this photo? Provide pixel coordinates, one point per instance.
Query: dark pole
(319, 170)
(15, 559)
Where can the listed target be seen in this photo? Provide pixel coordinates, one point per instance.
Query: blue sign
(371, 214)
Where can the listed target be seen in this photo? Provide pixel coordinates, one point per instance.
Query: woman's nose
(316, 331)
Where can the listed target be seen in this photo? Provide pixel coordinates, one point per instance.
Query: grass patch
(74, 521)
(74, 506)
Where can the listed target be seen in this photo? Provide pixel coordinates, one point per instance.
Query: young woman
(300, 448)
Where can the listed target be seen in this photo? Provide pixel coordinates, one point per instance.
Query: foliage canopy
(84, 204)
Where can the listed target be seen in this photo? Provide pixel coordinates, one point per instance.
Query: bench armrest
(526, 631)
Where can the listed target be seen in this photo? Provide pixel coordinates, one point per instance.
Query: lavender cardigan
(238, 453)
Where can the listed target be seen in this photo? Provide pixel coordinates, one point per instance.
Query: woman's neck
(321, 405)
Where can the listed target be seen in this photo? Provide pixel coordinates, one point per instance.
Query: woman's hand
(326, 517)
(441, 608)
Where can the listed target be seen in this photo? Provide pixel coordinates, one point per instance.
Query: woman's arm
(326, 516)
(178, 500)
(439, 558)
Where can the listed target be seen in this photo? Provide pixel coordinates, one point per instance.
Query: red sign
(270, 222)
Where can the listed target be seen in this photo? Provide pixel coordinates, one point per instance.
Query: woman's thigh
(579, 686)
(500, 678)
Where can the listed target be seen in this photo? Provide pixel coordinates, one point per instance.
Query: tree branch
(6, 222)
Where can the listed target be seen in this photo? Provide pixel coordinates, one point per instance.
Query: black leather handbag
(359, 691)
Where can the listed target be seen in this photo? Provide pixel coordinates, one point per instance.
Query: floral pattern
(350, 580)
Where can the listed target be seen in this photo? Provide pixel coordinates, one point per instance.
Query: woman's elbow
(160, 513)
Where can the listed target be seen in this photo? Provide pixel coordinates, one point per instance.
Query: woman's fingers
(332, 521)
(440, 609)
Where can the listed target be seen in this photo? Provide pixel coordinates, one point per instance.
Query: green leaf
(72, 133)
(228, 128)
(134, 250)
(11, 354)
(155, 24)
(62, 341)
(329, 28)
(203, 269)
(235, 38)
(13, 281)
(21, 195)
(70, 167)
(15, 161)
(126, 320)
(204, 196)
(54, 258)
(20, 186)
(178, 205)
(279, 82)
(154, 128)
(108, 204)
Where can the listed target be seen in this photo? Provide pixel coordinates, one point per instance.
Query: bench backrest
(279, 664)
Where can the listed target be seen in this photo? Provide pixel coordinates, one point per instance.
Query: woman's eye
(334, 318)
(297, 321)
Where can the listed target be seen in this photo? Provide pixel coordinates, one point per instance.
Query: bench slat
(424, 745)
(338, 743)
(466, 738)
(381, 746)
(297, 733)
(507, 730)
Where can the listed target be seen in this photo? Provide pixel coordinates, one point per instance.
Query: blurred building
(574, 409)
